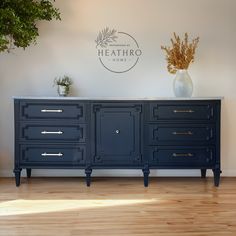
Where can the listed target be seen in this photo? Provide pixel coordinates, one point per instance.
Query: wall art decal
(118, 52)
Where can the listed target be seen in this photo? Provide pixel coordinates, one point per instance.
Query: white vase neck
(182, 71)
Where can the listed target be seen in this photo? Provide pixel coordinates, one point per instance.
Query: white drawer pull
(52, 132)
(52, 111)
(182, 155)
(183, 111)
(52, 154)
(183, 133)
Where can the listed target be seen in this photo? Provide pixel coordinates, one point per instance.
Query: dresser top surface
(120, 98)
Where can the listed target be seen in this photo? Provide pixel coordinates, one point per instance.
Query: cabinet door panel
(117, 135)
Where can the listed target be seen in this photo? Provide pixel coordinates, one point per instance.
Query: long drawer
(52, 154)
(184, 111)
(181, 156)
(178, 133)
(52, 110)
(52, 132)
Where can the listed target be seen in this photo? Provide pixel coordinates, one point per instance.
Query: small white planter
(62, 90)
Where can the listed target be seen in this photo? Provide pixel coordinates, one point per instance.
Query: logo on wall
(118, 52)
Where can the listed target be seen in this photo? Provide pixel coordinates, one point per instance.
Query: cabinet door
(117, 134)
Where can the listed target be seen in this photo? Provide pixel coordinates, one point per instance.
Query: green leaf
(18, 21)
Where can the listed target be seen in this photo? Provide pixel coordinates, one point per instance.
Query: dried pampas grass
(181, 53)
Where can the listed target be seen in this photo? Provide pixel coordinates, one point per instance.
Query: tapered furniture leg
(28, 172)
(88, 173)
(17, 173)
(203, 173)
(217, 173)
(146, 173)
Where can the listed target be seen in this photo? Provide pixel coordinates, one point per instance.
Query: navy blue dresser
(85, 133)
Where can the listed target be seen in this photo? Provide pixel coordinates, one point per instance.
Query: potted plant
(63, 85)
(18, 21)
(179, 56)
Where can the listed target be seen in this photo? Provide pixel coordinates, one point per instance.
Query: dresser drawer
(52, 154)
(47, 110)
(182, 156)
(181, 112)
(177, 133)
(52, 132)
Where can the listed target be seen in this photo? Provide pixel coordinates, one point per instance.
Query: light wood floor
(117, 206)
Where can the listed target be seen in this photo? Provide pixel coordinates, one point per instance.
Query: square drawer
(183, 111)
(52, 132)
(52, 110)
(160, 134)
(182, 156)
(52, 154)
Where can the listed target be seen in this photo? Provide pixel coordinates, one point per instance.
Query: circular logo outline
(114, 40)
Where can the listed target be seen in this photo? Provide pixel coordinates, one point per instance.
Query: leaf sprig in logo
(105, 37)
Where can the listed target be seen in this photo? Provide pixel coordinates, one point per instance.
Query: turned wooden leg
(146, 173)
(88, 173)
(28, 172)
(217, 173)
(203, 173)
(17, 173)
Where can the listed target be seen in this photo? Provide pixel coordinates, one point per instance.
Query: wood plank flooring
(117, 206)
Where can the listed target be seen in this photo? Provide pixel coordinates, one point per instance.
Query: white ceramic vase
(183, 86)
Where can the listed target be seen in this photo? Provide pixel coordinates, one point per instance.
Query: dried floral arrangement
(181, 53)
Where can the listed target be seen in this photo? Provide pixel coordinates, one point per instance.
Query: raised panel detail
(187, 156)
(117, 134)
(160, 134)
(52, 132)
(47, 110)
(43, 155)
(181, 111)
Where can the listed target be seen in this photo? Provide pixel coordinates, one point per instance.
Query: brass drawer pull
(182, 155)
(52, 132)
(52, 154)
(183, 133)
(183, 111)
(51, 111)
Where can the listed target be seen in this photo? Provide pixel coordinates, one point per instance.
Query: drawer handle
(117, 131)
(52, 154)
(51, 111)
(183, 111)
(183, 133)
(182, 155)
(52, 132)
